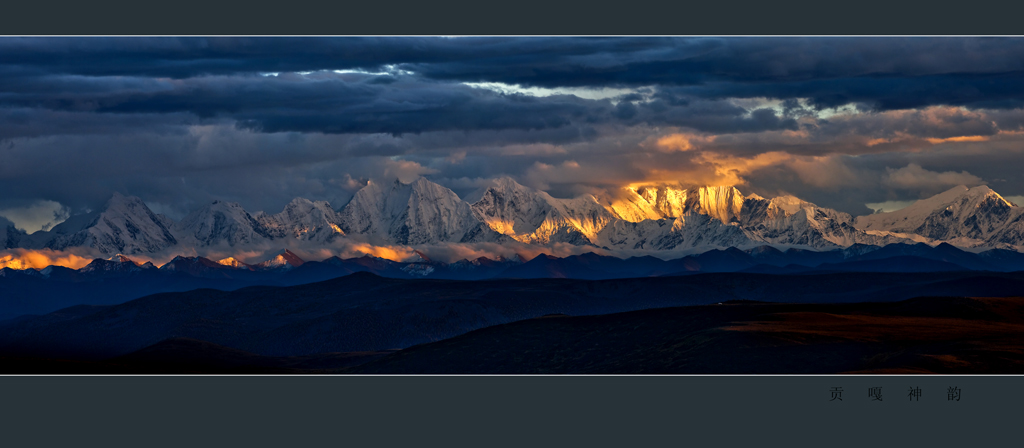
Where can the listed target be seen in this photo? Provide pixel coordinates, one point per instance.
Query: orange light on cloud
(731, 170)
(681, 142)
(393, 253)
(900, 137)
(39, 259)
(965, 138)
(879, 141)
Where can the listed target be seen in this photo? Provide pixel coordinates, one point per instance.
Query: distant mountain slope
(119, 279)
(363, 312)
(966, 217)
(125, 225)
(723, 203)
(650, 219)
(946, 335)
(926, 335)
(221, 223)
(303, 219)
(418, 213)
(666, 218)
(532, 216)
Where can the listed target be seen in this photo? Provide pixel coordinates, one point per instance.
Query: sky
(854, 124)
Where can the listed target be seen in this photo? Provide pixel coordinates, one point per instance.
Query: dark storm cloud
(350, 103)
(24, 122)
(605, 61)
(883, 92)
(183, 172)
(714, 117)
(884, 72)
(904, 177)
(324, 103)
(692, 78)
(182, 121)
(475, 58)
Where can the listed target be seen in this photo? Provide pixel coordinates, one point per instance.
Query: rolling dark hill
(29, 294)
(943, 252)
(364, 312)
(547, 266)
(903, 263)
(925, 335)
(189, 355)
(107, 282)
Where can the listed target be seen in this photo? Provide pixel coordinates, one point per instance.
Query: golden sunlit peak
(232, 262)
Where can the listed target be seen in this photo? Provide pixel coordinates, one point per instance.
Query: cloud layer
(181, 121)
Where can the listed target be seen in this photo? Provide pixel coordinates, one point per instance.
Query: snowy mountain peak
(790, 204)
(285, 259)
(234, 263)
(507, 184)
(533, 216)
(303, 205)
(198, 266)
(305, 220)
(117, 197)
(968, 217)
(420, 212)
(635, 206)
(510, 208)
(221, 223)
(125, 225)
(724, 203)
(122, 259)
(983, 192)
(117, 263)
(660, 202)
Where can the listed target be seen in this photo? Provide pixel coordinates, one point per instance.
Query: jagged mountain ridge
(124, 225)
(221, 223)
(531, 216)
(303, 219)
(965, 217)
(643, 218)
(421, 212)
(723, 217)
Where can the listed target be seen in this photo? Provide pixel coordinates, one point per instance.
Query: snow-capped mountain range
(641, 218)
(965, 217)
(422, 212)
(124, 225)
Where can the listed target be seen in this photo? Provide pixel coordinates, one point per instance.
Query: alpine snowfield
(423, 213)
